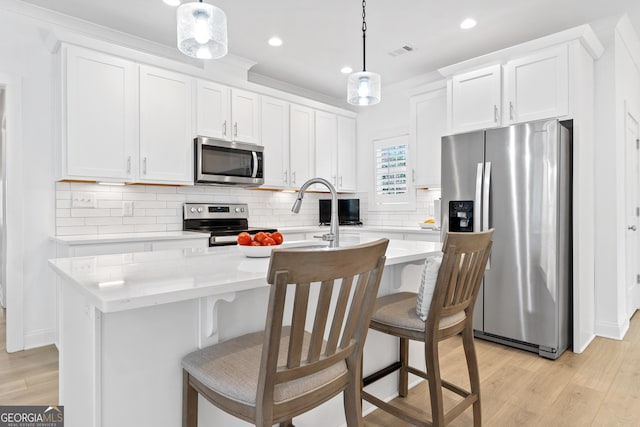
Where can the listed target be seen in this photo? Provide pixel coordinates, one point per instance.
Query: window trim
(406, 202)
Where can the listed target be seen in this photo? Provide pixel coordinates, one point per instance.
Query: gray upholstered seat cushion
(231, 369)
(399, 310)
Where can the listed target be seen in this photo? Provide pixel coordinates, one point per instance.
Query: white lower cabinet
(74, 249)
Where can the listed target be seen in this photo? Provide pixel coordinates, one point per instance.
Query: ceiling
(322, 36)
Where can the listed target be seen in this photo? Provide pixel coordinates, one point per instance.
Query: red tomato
(259, 237)
(244, 239)
(268, 241)
(255, 244)
(277, 236)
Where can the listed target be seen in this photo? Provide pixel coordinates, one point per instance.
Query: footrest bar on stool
(381, 373)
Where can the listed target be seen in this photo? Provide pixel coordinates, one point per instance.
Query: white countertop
(129, 237)
(347, 228)
(128, 281)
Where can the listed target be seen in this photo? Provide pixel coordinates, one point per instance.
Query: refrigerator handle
(477, 202)
(486, 194)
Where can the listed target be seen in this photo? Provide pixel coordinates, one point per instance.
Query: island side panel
(141, 366)
(79, 359)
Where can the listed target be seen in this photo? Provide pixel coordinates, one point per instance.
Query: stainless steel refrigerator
(516, 180)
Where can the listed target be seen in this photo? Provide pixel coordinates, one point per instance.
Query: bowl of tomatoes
(260, 244)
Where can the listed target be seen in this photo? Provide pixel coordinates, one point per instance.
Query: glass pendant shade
(363, 88)
(202, 31)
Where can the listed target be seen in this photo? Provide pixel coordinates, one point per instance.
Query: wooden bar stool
(272, 376)
(458, 281)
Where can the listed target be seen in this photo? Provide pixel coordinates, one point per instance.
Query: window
(392, 190)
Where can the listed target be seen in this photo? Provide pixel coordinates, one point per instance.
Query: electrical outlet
(127, 208)
(83, 200)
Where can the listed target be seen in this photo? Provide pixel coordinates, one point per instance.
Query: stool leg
(288, 423)
(189, 402)
(352, 396)
(435, 382)
(474, 376)
(403, 379)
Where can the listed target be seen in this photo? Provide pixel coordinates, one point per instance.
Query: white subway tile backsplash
(149, 204)
(70, 231)
(139, 220)
(69, 222)
(114, 229)
(159, 208)
(147, 228)
(139, 196)
(86, 212)
(107, 220)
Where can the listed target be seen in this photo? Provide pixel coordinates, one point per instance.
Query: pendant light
(202, 30)
(363, 88)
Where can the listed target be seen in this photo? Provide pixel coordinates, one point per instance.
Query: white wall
(617, 87)
(3, 236)
(23, 54)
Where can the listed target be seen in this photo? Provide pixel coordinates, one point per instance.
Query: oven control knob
(239, 210)
(192, 210)
(199, 210)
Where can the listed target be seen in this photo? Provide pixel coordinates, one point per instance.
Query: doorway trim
(632, 299)
(14, 224)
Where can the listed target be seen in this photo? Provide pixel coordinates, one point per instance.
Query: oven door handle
(254, 172)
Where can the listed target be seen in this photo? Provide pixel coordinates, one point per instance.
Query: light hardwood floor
(27, 377)
(600, 387)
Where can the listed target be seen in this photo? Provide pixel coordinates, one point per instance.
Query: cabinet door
(474, 99)
(166, 148)
(245, 113)
(213, 115)
(428, 114)
(326, 145)
(301, 145)
(99, 132)
(538, 86)
(346, 154)
(275, 139)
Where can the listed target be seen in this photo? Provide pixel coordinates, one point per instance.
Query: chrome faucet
(333, 235)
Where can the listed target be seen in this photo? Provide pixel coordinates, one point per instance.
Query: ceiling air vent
(401, 51)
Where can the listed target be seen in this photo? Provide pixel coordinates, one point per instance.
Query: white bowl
(256, 251)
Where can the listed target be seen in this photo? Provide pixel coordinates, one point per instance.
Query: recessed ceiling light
(172, 2)
(275, 41)
(346, 70)
(468, 23)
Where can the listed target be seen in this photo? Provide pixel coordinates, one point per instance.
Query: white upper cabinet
(213, 110)
(537, 86)
(99, 126)
(301, 145)
(474, 100)
(326, 145)
(428, 115)
(275, 139)
(346, 154)
(166, 147)
(245, 115)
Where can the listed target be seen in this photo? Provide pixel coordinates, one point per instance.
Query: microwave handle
(254, 173)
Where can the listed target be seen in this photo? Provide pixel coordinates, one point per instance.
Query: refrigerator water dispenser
(461, 216)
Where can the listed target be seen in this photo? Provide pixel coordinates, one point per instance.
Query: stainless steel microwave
(219, 162)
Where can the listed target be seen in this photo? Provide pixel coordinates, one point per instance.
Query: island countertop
(121, 282)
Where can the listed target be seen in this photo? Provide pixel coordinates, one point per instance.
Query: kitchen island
(126, 321)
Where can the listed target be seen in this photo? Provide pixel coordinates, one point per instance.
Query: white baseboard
(612, 330)
(584, 347)
(39, 338)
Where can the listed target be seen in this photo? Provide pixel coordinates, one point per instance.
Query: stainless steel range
(224, 221)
